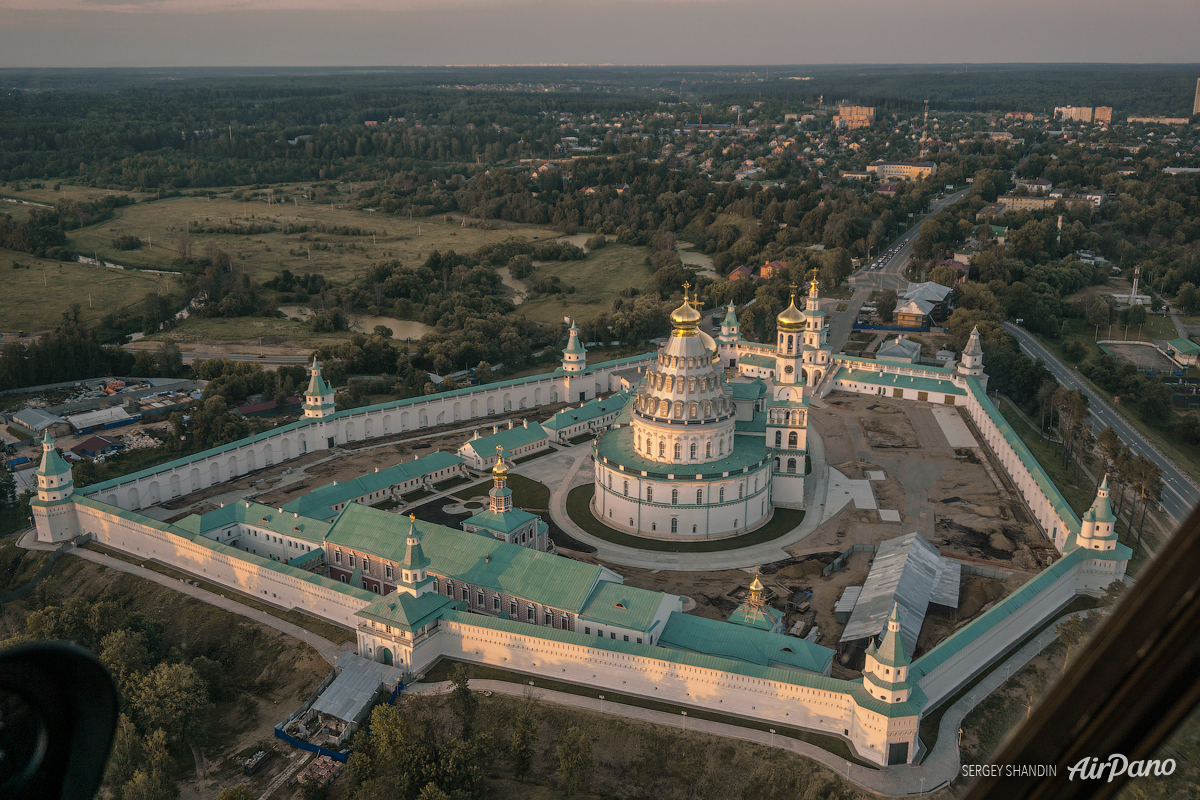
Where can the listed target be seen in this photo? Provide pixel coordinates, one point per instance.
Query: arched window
(721, 495)
(789, 349)
(674, 525)
(693, 529)
(639, 441)
(720, 447)
(791, 465)
(674, 497)
(692, 450)
(708, 449)
(678, 449)
(625, 490)
(649, 494)
(610, 481)
(777, 464)
(741, 491)
(779, 438)
(792, 439)
(699, 496)
(662, 449)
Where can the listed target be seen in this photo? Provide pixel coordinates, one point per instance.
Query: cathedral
(716, 433)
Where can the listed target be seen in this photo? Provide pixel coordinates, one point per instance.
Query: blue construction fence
(312, 748)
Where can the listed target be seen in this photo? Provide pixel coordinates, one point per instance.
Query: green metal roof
(232, 552)
(890, 651)
(621, 605)
(335, 493)
(757, 361)
(743, 643)
(592, 409)
(758, 424)
(317, 387)
(748, 391)
(482, 561)
(502, 522)
(508, 438)
(617, 446)
(1101, 509)
(1005, 608)
(402, 610)
(573, 345)
(899, 381)
(52, 462)
(1185, 346)
(1057, 501)
(247, 512)
(730, 318)
(303, 423)
(764, 618)
(735, 665)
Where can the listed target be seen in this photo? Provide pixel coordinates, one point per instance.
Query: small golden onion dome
(756, 586)
(686, 318)
(499, 470)
(791, 318)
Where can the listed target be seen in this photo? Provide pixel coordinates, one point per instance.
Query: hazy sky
(147, 33)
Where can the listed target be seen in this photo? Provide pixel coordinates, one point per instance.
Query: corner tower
(1097, 530)
(970, 364)
(318, 397)
(53, 511)
(574, 356)
(817, 352)
(885, 675)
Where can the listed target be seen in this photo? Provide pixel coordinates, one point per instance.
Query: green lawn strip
(1184, 457)
(327, 630)
(1078, 496)
(442, 670)
(548, 451)
(20, 434)
(449, 484)
(526, 493)
(581, 438)
(932, 719)
(420, 494)
(578, 509)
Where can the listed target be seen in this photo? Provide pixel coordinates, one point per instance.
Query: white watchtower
(53, 510)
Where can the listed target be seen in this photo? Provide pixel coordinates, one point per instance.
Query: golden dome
(791, 318)
(500, 470)
(686, 318)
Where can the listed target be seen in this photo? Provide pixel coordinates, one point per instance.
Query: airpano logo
(1093, 769)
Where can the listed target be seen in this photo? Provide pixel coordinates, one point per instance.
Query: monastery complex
(703, 439)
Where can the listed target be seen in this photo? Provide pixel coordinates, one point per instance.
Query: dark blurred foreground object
(1133, 684)
(58, 713)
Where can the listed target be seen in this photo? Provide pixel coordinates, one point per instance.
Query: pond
(692, 258)
(508, 280)
(364, 323)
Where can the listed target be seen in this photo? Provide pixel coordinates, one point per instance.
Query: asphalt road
(1180, 493)
(188, 358)
(890, 275)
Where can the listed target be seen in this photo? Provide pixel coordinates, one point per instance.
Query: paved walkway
(940, 767)
(578, 472)
(326, 649)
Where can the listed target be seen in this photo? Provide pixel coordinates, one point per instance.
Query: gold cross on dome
(412, 517)
(499, 450)
(686, 286)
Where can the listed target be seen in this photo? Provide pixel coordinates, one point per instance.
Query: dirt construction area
(1142, 356)
(957, 498)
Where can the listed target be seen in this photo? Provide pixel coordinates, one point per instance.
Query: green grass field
(598, 280)
(34, 299)
(162, 224)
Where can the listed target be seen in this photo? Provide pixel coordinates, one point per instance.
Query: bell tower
(789, 346)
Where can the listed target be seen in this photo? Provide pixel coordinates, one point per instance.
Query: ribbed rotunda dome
(683, 411)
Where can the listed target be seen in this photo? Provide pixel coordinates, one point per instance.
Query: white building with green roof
(506, 522)
(518, 441)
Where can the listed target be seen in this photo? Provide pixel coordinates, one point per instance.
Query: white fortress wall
(830, 710)
(225, 463)
(269, 581)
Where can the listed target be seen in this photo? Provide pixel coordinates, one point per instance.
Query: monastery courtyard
(894, 467)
